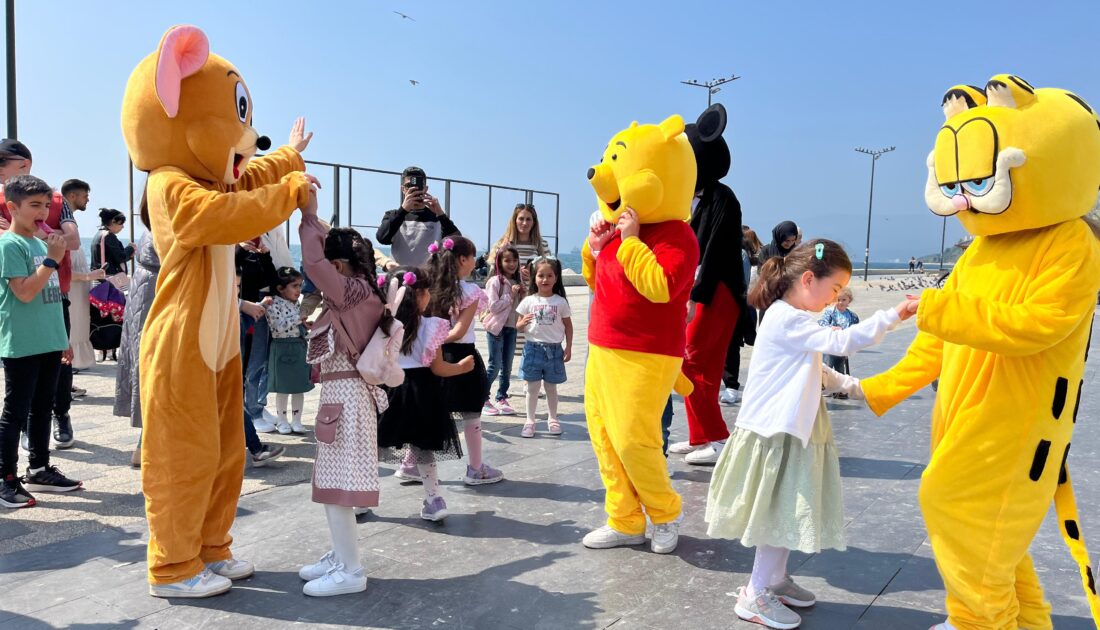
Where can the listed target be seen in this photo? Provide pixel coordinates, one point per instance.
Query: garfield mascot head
(648, 168)
(190, 109)
(1012, 157)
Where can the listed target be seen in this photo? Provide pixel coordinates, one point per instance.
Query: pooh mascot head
(188, 108)
(648, 168)
(1012, 157)
(712, 154)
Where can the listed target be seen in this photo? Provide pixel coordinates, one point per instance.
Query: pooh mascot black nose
(591, 173)
(263, 143)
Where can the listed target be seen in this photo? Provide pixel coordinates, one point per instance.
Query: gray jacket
(142, 287)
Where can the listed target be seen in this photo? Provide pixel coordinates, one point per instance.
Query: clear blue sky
(527, 94)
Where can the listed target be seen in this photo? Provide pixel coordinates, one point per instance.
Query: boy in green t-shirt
(32, 340)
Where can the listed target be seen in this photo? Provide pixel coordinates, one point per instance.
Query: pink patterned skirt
(345, 472)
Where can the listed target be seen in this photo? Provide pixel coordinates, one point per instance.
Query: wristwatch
(50, 262)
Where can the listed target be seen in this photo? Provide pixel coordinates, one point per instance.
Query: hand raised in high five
(299, 139)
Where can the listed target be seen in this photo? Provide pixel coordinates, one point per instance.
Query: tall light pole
(12, 131)
(943, 240)
(875, 154)
(712, 86)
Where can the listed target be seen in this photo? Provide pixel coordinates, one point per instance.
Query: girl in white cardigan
(776, 485)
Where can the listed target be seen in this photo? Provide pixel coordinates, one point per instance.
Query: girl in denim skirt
(544, 317)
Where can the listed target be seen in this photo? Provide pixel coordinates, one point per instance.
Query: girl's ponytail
(777, 275)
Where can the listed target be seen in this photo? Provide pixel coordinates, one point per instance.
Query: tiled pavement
(509, 556)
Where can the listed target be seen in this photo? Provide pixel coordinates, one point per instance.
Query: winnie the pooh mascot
(640, 263)
(1007, 336)
(187, 121)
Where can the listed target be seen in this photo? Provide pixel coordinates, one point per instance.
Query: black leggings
(29, 387)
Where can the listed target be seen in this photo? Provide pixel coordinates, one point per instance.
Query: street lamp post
(943, 240)
(875, 154)
(712, 86)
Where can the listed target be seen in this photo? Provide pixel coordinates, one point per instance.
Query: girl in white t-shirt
(544, 317)
(776, 485)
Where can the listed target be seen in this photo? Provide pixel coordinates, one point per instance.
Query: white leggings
(768, 568)
(341, 525)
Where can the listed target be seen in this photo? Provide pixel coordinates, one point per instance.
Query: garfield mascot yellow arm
(637, 326)
(186, 118)
(1007, 336)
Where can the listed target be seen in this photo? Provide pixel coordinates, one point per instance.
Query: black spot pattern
(1063, 472)
(1071, 529)
(1040, 460)
(1077, 405)
(1059, 404)
(1092, 582)
(1093, 325)
(1023, 85)
(1080, 102)
(957, 93)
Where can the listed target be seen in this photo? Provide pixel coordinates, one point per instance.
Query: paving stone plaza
(509, 556)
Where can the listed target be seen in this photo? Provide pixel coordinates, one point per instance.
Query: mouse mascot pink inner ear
(183, 52)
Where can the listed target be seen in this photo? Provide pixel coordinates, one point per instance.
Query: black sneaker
(13, 495)
(266, 455)
(79, 392)
(50, 479)
(63, 434)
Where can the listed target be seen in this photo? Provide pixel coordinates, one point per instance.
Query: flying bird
(414, 81)
(404, 16)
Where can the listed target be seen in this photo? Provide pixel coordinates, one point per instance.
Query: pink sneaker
(489, 409)
(504, 408)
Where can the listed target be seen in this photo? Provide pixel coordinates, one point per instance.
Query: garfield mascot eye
(243, 103)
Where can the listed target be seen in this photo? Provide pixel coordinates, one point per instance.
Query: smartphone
(416, 182)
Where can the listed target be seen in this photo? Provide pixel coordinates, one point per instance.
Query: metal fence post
(489, 224)
(557, 224)
(335, 196)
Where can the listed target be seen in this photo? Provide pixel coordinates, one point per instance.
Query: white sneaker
(666, 536)
(232, 568)
(336, 581)
(607, 537)
(683, 448)
(205, 584)
(263, 426)
(319, 568)
(705, 456)
(729, 397)
(282, 426)
(296, 427)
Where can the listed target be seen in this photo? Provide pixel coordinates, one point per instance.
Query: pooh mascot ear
(671, 127)
(182, 52)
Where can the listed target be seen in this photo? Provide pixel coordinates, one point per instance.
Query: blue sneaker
(434, 510)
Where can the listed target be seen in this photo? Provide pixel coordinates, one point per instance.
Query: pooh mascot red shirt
(1007, 336)
(719, 290)
(186, 118)
(639, 309)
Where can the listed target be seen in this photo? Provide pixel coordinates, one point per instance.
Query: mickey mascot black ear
(712, 123)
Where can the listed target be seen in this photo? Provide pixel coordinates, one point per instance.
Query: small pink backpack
(378, 362)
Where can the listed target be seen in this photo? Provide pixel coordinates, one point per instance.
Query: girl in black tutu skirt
(417, 425)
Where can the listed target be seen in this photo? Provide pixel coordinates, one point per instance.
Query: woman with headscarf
(784, 239)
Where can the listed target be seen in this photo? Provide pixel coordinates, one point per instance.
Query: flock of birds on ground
(906, 283)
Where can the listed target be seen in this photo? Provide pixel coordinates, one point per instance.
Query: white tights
(533, 399)
(296, 402)
(341, 525)
(769, 568)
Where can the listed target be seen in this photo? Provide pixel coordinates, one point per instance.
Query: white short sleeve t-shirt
(550, 313)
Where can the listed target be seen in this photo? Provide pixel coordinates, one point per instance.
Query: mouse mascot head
(190, 109)
(712, 154)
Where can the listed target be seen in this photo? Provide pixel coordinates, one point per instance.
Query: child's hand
(628, 224)
(310, 209)
(55, 246)
(524, 320)
(517, 290)
(568, 354)
(267, 301)
(907, 309)
(4, 225)
(466, 365)
(252, 309)
(299, 139)
(599, 234)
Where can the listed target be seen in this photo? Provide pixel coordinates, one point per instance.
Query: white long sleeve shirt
(786, 374)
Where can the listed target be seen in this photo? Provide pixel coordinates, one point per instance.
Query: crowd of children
(780, 452)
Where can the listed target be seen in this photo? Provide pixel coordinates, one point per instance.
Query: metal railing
(342, 183)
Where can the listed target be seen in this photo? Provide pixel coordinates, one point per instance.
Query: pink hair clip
(381, 281)
(448, 244)
(409, 278)
(433, 248)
